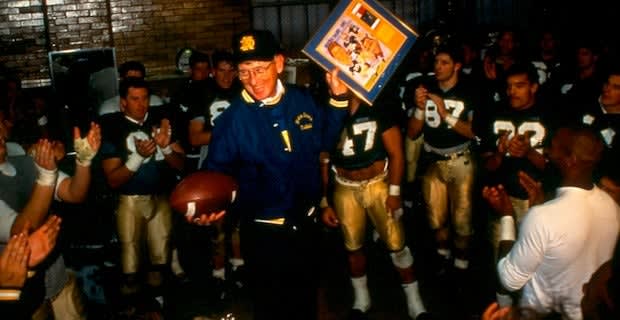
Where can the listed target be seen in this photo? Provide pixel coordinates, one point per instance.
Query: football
(203, 192)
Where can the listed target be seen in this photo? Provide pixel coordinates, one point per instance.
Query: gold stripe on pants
(447, 186)
(353, 200)
(143, 218)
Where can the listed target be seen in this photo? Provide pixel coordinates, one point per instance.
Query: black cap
(255, 45)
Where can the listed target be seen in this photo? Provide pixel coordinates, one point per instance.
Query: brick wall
(151, 31)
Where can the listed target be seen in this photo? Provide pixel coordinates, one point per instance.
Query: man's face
(200, 71)
(260, 78)
(445, 68)
(136, 104)
(521, 92)
(224, 74)
(585, 58)
(610, 97)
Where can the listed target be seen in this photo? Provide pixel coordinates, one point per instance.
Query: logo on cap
(247, 43)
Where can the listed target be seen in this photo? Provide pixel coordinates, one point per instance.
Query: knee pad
(402, 259)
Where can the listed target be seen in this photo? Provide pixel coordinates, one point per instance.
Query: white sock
(219, 273)
(462, 264)
(236, 263)
(175, 265)
(445, 253)
(415, 306)
(361, 297)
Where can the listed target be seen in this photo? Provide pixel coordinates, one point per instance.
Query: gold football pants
(143, 218)
(447, 186)
(353, 200)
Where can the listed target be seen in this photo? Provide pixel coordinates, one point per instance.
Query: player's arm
(75, 189)
(172, 151)
(198, 136)
(525, 255)
(462, 127)
(416, 122)
(393, 143)
(492, 160)
(328, 215)
(520, 147)
(37, 207)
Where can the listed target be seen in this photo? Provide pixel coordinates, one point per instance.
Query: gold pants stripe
(353, 203)
(447, 186)
(143, 219)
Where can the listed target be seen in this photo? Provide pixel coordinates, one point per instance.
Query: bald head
(580, 147)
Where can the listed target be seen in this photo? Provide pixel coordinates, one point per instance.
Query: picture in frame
(365, 41)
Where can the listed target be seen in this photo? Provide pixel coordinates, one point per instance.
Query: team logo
(304, 121)
(247, 43)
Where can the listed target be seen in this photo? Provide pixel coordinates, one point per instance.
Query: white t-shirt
(560, 244)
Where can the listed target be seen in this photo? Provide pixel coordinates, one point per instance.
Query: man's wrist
(451, 120)
(418, 114)
(507, 228)
(134, 161)
(394, 190)
(324, 203)
(46, 177)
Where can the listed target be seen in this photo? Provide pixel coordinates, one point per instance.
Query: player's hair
(222, 56)
(451, 49)
(523, 68)
(198, 57)
(131, 65)
(132, 82)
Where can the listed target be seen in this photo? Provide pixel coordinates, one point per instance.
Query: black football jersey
(361, 141)
(533, 123)
(118, 132)
(460, 103)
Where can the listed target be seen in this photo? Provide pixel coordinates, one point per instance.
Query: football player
(444, 111)
(512, 141)
(369, 165)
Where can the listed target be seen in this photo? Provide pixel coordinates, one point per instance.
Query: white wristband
(323, 204)
(419, 114)
(507, 228)
(451, 120)
(42, 121)
(46, 177)
(394, 190)
(134, 162)
(167, 150)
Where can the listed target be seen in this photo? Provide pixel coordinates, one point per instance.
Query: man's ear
(279, 61)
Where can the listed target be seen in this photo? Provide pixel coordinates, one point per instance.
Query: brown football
(203, 192)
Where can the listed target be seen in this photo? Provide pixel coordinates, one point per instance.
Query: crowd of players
(489, 133)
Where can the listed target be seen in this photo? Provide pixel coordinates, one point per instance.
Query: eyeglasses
(257, 71)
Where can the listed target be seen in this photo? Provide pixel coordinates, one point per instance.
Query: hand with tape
(86, 148)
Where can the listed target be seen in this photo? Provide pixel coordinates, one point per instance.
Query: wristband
(134, 162)
(42, 121)
(46, 177)
(323, 204)
(167, 150)
(507, 228)
(451, 120)
(325, 161)
(419, 114)
(394, 190)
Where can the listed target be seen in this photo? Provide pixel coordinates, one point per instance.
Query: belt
(451, 156)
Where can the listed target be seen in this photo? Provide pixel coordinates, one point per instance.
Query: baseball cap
(255, 45)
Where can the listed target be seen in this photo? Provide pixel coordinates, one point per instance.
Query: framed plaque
(365, 41)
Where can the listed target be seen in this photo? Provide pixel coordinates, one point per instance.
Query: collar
(268, 101)
(146, 116)
(7, 169)
(564, 190)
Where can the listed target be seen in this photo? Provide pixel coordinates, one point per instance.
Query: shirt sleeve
(7, 217)
(527, 253)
